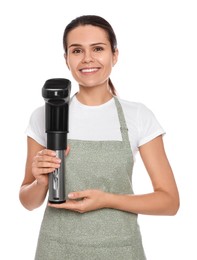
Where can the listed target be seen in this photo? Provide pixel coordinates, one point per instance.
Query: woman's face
(89, 55)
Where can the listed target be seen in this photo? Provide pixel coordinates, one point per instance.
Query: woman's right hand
(44, 163)
(39, 163)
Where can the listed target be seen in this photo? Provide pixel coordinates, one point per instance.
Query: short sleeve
(36, 126)
(149, 127)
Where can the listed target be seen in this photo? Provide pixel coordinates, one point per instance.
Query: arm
(164, 200)
(39, 163)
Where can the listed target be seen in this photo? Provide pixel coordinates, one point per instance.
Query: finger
(46, 158)
(67, 150)
(45, 170)
(79, 194)
(39, 168)
(47, 152)
(58, 206)
(46, 164)
(69, 205)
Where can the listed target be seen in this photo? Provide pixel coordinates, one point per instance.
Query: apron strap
(123, 125)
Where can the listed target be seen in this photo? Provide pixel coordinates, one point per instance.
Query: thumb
(78, 195)
(67, 150)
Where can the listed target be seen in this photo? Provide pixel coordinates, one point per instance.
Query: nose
(88, 57)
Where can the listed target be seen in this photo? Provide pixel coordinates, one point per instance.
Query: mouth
(88, 70)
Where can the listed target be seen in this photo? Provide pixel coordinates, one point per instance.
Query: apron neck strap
(123, 125)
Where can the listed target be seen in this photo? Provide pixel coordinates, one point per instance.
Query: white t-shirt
(101, 123)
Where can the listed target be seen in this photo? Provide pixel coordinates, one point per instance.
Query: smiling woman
(90, 58)
(97, 34)
(99, 218)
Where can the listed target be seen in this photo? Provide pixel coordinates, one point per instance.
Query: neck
(91, 96)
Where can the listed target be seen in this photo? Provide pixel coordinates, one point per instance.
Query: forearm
(32, 195)
(156, 203)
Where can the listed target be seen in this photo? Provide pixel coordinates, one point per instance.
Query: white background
(157, 66)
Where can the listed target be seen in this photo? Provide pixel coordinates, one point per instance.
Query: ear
(115, 56)
(65, 57)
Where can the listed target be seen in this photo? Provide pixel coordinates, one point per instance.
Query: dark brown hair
(95, 21)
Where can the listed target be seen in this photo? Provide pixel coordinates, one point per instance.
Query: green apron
(103, 234)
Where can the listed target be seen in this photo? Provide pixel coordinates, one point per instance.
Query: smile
(89, 70)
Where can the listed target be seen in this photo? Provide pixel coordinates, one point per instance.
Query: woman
(105, 133)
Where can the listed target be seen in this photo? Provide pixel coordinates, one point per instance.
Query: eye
(77, 51)
(98, 49)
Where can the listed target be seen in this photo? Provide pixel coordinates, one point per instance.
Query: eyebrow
(80, 45)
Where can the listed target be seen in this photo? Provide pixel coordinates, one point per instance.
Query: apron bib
(103, 234)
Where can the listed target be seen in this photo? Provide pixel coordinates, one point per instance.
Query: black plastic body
(56, 93)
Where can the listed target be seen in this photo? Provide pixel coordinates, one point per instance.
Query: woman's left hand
(83, 201)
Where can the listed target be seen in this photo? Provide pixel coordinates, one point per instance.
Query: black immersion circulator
(56, 93)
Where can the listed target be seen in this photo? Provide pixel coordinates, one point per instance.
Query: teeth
(89, 70)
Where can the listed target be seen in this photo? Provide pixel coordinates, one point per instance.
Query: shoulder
(141, 121)
(131, 104)
(39, 111)
(37, 115)
(37, 119)
(36, 126)
(135, 109)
